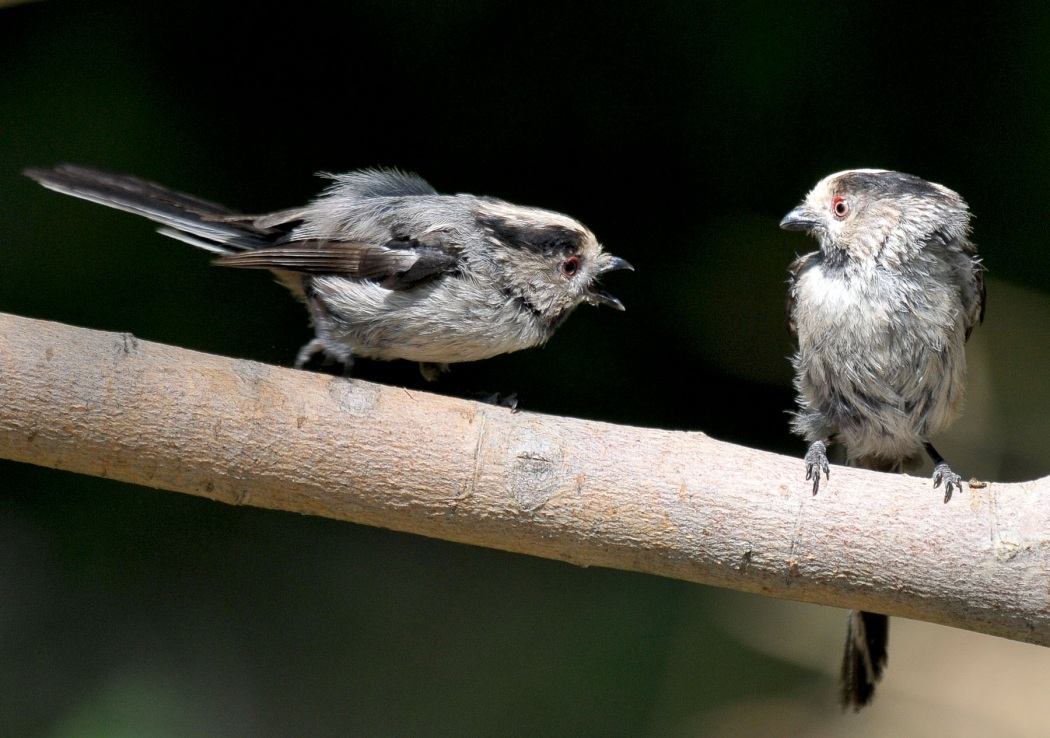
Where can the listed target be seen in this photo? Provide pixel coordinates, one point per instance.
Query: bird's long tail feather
(867, 635)
(204, 224)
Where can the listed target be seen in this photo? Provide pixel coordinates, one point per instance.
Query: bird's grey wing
(975, 311)
(398, 264)
(792, 295)
(958, 248)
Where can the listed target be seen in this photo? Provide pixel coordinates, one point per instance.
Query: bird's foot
(318, 346)
(511, 401)
(952, 481)
(817, 461)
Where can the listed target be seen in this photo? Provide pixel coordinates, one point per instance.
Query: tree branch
(669, 503)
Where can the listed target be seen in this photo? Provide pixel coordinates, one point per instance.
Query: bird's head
(869, 213)
(548, 261)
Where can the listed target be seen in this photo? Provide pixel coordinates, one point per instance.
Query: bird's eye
(840, 208)
(570, 266)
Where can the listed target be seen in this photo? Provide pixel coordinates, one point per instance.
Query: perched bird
(881, 312)
(389, 268)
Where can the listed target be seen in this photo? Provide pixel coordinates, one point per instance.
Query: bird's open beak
(800, 219)
(601, 297)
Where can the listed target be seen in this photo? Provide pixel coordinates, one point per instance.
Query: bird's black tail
(867, 635)
(185, 217)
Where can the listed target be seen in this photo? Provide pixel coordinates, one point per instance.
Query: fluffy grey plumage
(389, 268)
(882, 313)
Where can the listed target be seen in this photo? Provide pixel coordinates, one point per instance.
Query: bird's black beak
(615, 263)
(601, 297)
(800, 219)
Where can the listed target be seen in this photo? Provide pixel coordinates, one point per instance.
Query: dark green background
(679, 132)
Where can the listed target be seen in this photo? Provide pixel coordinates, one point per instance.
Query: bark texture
(675, 504)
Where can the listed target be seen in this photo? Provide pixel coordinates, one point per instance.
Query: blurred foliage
(681, 133)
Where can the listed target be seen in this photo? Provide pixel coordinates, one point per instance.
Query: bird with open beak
(389, 268)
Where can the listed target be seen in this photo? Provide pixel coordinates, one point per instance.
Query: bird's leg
(943, 473)
(816, 461)
(332, 349)
(307, 352)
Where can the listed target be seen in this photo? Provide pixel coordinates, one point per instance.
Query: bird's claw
(817, 461)
(511, 401)
(952, 481)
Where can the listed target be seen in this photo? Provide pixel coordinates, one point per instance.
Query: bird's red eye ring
(840, 208)
(570, 266)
